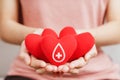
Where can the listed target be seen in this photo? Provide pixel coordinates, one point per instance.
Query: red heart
(85, 42)
(33, 41)
(68, 30)
(58, 51)
(73, 45)
(48, 31)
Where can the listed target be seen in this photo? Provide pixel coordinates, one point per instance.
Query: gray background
(8, 52)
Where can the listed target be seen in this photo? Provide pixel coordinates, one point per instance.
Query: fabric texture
(16, 78)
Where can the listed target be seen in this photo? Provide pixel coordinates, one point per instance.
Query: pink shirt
(56, 14)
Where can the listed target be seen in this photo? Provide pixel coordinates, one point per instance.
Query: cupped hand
(39, 65)
(74, 66)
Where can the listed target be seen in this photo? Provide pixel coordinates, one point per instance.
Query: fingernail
(49, 68)
(87, 57)
(42, 64)
(65, 69)
(55, 69)
(72, 65)
(60, 68)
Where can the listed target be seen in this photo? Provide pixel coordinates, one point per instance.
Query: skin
(11, 30)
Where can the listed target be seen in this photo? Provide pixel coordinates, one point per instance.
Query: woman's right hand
(39, 65)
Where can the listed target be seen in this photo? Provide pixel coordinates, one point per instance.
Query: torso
(56, 14)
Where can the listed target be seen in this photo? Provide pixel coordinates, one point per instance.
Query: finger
(55, 68)
(77, 63)
(60, 68)
(91, 53)
(74, 71)
(24, 54)
(65, 69)
(41, 70)
(25, 57)
(49, 68)
(23, 50)
(37, 63)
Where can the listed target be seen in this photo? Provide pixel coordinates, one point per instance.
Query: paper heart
(85, 42)
(48, 31)
(32, 42)
(68, 30)
(69, 44)
(58, 50)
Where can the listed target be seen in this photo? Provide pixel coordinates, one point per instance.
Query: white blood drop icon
(58, 54)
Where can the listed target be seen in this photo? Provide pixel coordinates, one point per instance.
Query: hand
(39, 65)
(74, 66)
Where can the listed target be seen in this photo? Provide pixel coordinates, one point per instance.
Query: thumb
(24, 54)
(91, 53)
(25, 57)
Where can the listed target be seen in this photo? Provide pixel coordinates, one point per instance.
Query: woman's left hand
(40, 66)
(74, 66)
